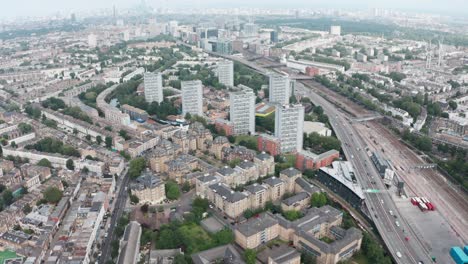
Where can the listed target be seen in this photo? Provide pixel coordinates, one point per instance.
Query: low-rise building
(306, 160)
(149, 189)
(265, 164)
(232, 203)
(256, 231)
(129, 252)
(296, 202)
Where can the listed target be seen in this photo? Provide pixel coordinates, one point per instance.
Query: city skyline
(50, 7)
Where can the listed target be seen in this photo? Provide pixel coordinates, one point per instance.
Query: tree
(172, 190)
(85, 170)
(144, 208)
(292, 215)
(25, 128)
(224, 237)
(186, 186)
(318, 199)
(45, 163)
(134, 199)
(99, 140)
(7, 197)
(27, 209)
(453, 105)
(180, 259)
(52, 195)
(124, 134)
(70, 164)
(250, 256)
(108, 141)
(13, 144)
(136, 166)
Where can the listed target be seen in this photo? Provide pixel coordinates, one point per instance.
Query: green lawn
(360, 259)
(4, 255)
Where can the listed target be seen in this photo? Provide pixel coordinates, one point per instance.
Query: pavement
(379, 204)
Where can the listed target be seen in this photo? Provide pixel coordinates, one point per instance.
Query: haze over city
(240, 132)
(46, 7)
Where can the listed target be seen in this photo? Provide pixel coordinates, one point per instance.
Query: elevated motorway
(379, 203)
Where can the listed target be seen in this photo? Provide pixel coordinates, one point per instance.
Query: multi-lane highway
(382, 209)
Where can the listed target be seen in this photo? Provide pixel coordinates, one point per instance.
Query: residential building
(256, 231)
(341, 179)
(265, 164)
(153, 87)
(223, 254)
(280, 89)
(242, 110)
(232, 203)
(149, 189)
(129, 252)
(258, 194)
(306, 160)
(270, 144)
(192, 97)
(296, 202)
(308, 232)
(289, 176)
(164, 256)
(289, 120)
(276, 188)
(135, 113)
(225, 71)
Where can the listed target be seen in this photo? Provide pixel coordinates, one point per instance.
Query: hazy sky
(18, 8)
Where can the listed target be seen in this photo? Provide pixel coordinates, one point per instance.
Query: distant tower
(429, 55)
(439, 63)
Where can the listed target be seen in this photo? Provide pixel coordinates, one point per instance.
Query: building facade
(153, 87)
(192, 97)
(289, 121)
(280, 89)
(225, 73)
(242, 110)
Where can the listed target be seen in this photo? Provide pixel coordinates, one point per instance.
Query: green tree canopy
(52, 195)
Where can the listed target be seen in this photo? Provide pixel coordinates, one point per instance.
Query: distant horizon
(43, 8)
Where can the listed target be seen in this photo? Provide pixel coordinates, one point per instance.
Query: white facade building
(192, 97)
(153, 87)
(335, 30)
(226, 72)
(242, 110)
(289, 122)
(280, 89)
(92, 40)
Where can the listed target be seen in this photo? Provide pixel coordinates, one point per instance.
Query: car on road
(390, 212)
(397, 223)
(398, 254)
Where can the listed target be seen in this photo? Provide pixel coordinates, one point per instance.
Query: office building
(242, 110)
(250, 30)
(280, 89)
(289, 121)
(274, 36)
(335, 30)
(223, 46)
(225, 73)
(153, 87)
(192, 97)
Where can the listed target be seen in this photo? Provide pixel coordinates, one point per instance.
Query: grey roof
(226, 171)
(306, 186)
(220, 140)
(291, 172)
(246, 164)
(263, 156)
(257, 224)
(161, 256)
(227, 194)
(254, 188)
(146, 181)
(315, 217)
(273, 181)
(207, 178)
(284, 254)
(296, 198)
(227, 254)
